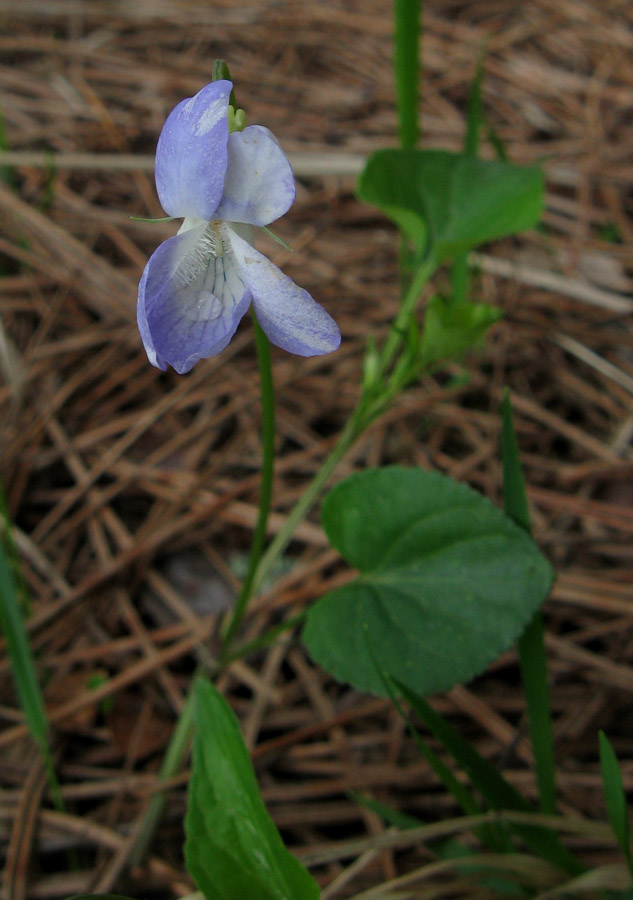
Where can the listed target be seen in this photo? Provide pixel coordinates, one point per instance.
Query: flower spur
(198, 284)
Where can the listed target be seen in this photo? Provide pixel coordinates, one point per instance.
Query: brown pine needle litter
(134, 493)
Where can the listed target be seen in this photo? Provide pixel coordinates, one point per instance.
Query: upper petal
(291, 318)
(191, 299)
(191, 157)
(259, 186)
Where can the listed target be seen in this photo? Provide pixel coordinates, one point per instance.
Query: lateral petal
(291, 318)
(259, 186)
(191, 299)
(191, 157)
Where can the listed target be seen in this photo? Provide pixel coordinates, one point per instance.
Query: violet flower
(198, 284)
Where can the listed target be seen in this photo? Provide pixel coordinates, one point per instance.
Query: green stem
(302, 507)
(176, 751)
(407, 69)
(266, 488)
(406, 59)
(181, 737)
(364, 413)
(398, 329)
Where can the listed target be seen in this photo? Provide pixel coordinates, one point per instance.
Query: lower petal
(291, 318)
(191, 299)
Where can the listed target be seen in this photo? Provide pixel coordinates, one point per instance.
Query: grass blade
(493, 836)
(615, 798)
(531, 644)
(498, 792)
(20, 655)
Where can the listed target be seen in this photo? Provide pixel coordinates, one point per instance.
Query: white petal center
(208, 284)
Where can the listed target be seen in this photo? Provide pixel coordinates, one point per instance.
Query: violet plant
(446, 580)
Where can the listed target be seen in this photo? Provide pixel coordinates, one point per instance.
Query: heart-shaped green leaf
(449, 203)
(233, 849)
(447, 582)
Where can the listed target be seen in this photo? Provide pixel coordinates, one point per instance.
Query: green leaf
(614, 795)
(233, 849)
(448, 582)
(452, 329)
(449, 203)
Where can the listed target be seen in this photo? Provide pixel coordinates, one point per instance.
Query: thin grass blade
(498, 792)
(531, 644)
(21, 657)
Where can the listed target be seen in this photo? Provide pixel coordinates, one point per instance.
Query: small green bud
(220, 72)
(371, 367)
(237, 119)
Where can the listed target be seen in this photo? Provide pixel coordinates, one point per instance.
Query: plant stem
(406, 64)
(172, 761)
(181, 737)
(394, 338)
(266, 488)
(362, 416)
(352, 430)
(407, 69)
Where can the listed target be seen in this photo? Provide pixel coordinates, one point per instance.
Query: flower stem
(407, 50)
(362, 416)
(407, 69)
(181, 737)
(394, 338)
(302, 507)
(172, 761)
(266, 488)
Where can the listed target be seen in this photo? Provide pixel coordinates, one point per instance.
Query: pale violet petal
(191, 299)
(291, 318)
(191, 157)
(259, 186)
